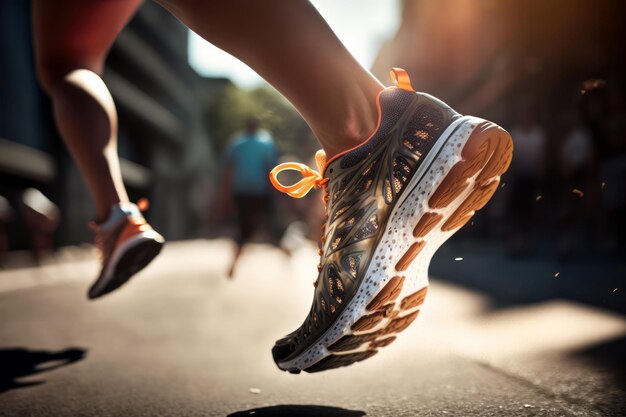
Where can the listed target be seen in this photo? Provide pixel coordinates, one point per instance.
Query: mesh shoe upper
(107, 241)
(126, 243)
(362, 187)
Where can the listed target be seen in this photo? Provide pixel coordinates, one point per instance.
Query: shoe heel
(485, 156)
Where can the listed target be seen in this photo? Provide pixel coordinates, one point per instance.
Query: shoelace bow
(310, 179)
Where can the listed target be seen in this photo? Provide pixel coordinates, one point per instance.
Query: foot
(390, 204)
(126, 243)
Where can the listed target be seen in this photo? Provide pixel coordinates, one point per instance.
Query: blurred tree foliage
(227, 111)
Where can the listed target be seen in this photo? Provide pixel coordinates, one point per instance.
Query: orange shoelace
(310, 179)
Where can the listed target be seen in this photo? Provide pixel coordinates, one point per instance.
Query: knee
(54, 71)
(49, 73)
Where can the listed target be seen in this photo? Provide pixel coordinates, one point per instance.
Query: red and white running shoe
(126, 244)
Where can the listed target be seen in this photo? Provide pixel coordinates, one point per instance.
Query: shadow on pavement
(611, 356)
(17, 363)
(593, 280)
(298, 410)
(610, 359)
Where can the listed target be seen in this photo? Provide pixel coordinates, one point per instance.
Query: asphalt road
(182, 340)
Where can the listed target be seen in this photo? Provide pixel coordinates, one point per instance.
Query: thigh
(72, 34)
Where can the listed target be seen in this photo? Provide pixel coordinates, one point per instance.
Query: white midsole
(130, 243)
(398, 237)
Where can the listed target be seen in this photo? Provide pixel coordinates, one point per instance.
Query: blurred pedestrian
(528, 171)
(42, 219)
(577, 159)
(246, 163)
(613, 176)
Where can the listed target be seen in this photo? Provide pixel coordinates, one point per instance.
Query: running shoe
(390, 203)
(126, 243)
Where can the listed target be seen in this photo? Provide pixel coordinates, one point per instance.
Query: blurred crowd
(566, 177)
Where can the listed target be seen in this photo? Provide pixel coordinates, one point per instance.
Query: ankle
(112, 213)
(102, 214)
(358, 124)
(351, 135)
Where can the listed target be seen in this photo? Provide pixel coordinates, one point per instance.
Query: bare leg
(72, 38)
(290, 45)
(233, 264)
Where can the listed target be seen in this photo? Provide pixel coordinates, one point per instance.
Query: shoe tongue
(119, 212)
(320, 160)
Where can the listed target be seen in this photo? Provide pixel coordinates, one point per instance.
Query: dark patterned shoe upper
(361, 189)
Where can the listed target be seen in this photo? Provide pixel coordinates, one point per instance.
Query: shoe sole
(136, 253)
(457, 178)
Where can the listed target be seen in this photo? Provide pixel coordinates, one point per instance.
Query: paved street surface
(182, 340)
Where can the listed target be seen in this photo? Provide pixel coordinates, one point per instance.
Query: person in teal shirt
(248, 160)
(251, 156)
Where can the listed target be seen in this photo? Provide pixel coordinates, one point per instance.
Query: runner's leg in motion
(390, 203)
(72, 38)
(289, 44)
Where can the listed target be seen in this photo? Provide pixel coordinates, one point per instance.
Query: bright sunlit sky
(362, 25)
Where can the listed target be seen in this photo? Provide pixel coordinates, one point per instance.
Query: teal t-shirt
(252, 157)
